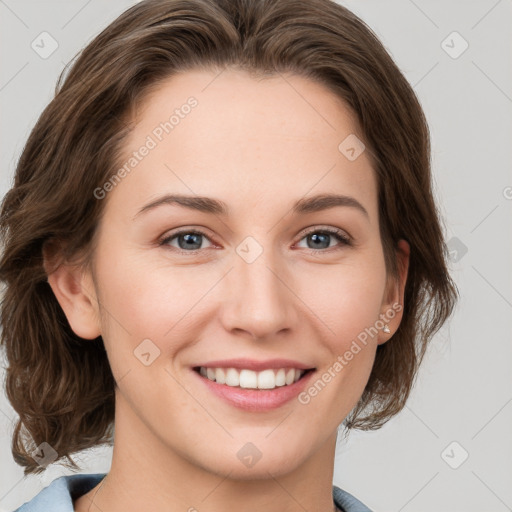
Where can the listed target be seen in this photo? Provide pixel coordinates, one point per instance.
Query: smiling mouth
(248, 379)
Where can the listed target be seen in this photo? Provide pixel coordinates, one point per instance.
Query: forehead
(244, 139)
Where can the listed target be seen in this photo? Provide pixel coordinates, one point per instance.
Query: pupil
(322, 238)
(190, 240)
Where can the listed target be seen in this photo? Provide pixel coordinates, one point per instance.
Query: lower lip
(256, 400)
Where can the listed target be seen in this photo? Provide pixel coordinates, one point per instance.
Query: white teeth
(220, 375)
(248, 379)
(232, 377)
(280, 377)
(266, 379)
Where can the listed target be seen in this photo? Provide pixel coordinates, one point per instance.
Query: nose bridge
(260, 303)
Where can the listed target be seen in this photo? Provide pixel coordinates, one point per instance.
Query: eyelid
(346, 238)
(166, 237)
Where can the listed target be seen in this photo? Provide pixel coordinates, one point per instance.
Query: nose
(259, 298)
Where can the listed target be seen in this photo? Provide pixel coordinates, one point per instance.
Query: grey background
(464, 390)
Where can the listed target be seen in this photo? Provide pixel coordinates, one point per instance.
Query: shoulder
(346, 502)
(59, 495)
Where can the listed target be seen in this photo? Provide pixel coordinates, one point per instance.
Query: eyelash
(338, 234)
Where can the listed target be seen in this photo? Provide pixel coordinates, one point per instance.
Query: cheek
(152, 302)
(346, 297)
(348, 305)
(149, 318)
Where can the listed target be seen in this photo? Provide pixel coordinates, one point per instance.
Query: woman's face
(266, 278)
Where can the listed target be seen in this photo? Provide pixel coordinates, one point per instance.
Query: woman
(222, 240)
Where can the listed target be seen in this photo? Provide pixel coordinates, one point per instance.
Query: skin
(258, 145)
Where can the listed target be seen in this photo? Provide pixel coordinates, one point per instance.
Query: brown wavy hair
(61, 385)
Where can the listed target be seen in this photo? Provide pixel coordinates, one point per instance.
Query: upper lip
(252, 364)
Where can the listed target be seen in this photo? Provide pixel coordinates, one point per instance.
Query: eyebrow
(214, 206)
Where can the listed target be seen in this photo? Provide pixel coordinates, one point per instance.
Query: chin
(253, 461)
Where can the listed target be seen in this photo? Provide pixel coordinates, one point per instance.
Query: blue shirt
(59, 495)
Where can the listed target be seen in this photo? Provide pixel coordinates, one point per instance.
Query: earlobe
(393, 305)
(75, 293)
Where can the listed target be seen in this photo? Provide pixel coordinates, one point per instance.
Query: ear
(74, 289)
(393, 302)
